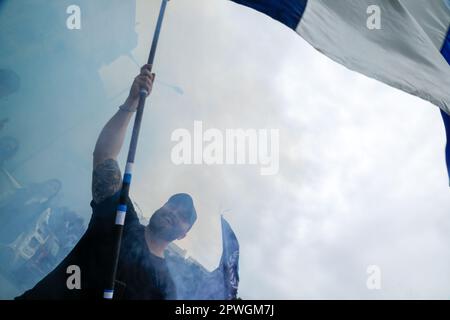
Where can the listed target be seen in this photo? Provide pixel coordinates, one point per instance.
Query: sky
(362, 177)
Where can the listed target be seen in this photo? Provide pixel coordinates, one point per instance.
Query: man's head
(174, 219)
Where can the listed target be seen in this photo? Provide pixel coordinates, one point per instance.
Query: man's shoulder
(111, 203)
(106, 180)
(112, 200)
(104, 215)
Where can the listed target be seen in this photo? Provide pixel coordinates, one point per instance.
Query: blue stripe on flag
(445, 50)
(288, 12)
(446, 119)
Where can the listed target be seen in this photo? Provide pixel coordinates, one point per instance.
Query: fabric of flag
(193, 282)
(410, 50)
(445, 50)
(229, 263)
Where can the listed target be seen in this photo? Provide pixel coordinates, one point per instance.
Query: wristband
(127, 108)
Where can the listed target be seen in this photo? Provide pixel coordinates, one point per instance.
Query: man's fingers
(145, 83)
(146, 72)
(146, 78)
(147, 67)
(150, 77)
(148, 85)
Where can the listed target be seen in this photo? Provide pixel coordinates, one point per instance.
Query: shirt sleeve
(104, 216)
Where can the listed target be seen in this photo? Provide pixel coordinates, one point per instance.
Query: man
(142, 270)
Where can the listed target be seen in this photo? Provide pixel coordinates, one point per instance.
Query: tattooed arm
(106, 177)
(106, 180)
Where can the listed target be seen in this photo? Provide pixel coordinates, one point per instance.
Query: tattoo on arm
(106, 180)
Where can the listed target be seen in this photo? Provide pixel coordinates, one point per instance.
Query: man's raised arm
(106, 177)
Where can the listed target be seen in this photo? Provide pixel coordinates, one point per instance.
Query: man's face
(168, 225)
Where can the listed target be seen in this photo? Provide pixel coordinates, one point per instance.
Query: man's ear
(181, 237)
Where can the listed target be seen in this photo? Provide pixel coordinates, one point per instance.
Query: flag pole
(108, 293)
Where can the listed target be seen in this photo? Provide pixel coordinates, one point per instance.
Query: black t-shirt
(140, 274)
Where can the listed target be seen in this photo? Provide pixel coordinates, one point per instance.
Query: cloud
(362, 175)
